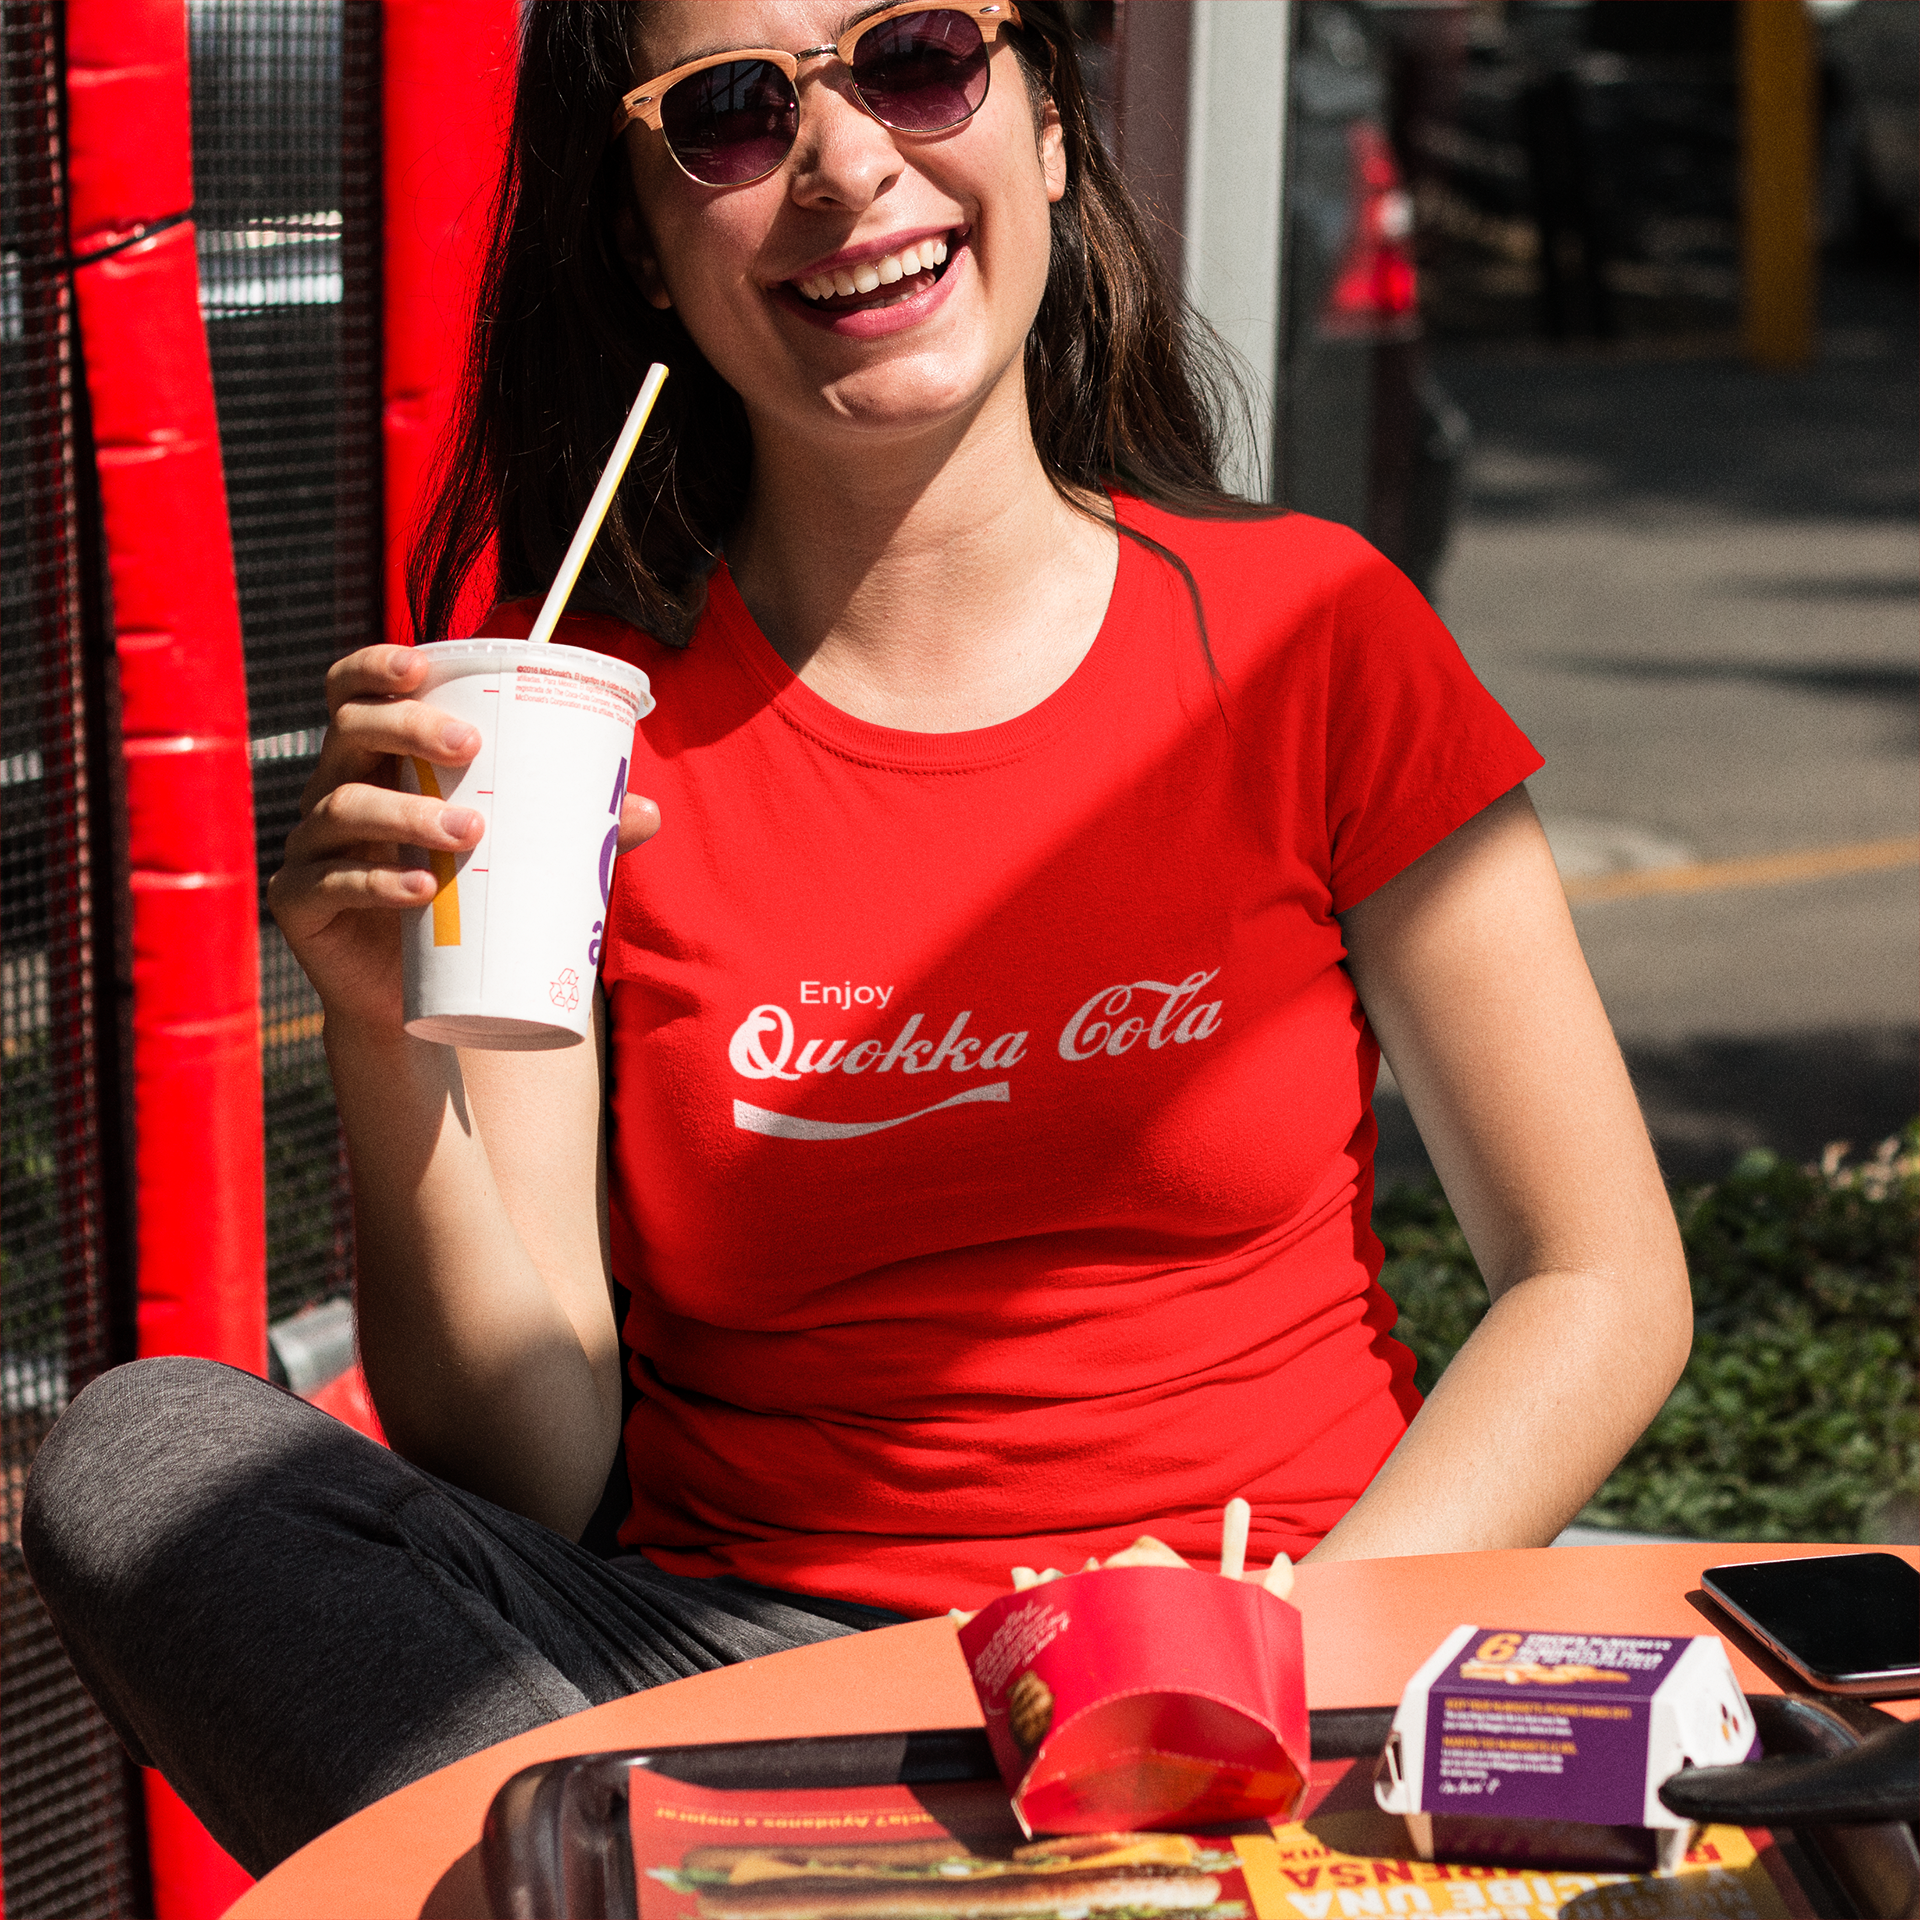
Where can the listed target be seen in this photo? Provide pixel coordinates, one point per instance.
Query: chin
(917, 393)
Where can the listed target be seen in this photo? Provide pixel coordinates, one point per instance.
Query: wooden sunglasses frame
(644, 102)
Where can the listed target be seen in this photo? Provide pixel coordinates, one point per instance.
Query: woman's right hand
(339, 895)
(484, 1309)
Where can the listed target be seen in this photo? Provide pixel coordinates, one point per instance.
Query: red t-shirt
(991, 1123)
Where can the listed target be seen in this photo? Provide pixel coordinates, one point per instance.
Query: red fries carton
(1142, 1697)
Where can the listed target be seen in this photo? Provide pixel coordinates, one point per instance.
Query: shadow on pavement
(1892, 685)
(1710, 1099)
(1620, 430)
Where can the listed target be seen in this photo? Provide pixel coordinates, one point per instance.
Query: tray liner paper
(1139, 1697)
(868, 1853)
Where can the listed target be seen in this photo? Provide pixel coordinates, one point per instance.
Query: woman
(979, 1126)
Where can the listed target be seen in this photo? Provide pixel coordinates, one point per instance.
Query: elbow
(1664, 1318)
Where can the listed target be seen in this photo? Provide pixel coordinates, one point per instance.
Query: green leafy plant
(1797, 1417)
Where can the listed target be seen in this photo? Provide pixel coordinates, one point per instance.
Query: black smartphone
(1847, 1622)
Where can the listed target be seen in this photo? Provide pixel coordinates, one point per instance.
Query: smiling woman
(994, 742)
(1115, 387)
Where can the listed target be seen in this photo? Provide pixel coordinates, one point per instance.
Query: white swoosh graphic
(789, 1126)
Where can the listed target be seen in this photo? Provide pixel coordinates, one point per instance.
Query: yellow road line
(1757, 870)
(286, 1033)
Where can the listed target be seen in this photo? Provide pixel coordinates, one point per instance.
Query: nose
(844, 157)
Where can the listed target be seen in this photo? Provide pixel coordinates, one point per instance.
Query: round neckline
(871, 744)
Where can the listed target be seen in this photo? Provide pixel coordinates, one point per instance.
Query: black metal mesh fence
(287, 191)
(67, 1835)
(286, 174)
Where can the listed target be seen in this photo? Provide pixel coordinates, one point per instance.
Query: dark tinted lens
(731, 123)
(922, 73)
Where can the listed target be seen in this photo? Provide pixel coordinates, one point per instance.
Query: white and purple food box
(1521, 1744)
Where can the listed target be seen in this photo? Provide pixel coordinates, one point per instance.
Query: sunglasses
(732, 118)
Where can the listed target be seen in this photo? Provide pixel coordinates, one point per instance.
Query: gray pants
(289, 1621)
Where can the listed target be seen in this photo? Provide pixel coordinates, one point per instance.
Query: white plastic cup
(505, 954)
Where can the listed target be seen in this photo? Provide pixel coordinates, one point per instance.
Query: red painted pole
(447, 82)
(199, 1168)
(201, 1231)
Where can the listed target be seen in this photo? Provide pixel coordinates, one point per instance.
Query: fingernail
(418, 882)
(457, 822)
(458, 736)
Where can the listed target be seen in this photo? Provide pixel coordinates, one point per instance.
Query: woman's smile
(855, 275)
(879, 295)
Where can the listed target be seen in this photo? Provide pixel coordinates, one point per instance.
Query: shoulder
(1264, 554)
(1272, 583)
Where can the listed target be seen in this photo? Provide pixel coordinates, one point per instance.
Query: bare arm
(1473, 980)
(484, 1297)
(485, 1309)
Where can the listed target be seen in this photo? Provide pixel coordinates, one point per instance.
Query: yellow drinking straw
(583, 535)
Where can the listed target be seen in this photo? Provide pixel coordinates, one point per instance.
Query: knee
(122, 1466)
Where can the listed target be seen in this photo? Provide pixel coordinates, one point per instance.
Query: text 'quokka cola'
(1151, 1013)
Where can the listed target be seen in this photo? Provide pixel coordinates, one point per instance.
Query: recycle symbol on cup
(564, 991)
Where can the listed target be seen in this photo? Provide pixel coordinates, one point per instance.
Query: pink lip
(874, 323)
(851, 257)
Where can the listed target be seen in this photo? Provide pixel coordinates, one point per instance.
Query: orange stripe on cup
(446, 900)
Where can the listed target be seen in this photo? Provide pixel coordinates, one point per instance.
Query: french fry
(1234, 1522)
(1145, 1552)
(1236, 1519)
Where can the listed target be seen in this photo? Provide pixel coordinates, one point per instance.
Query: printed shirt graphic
(991, 1110)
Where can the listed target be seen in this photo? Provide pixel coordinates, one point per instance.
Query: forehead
(672, 31)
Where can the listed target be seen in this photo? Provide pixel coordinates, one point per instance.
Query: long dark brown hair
(1124, 384)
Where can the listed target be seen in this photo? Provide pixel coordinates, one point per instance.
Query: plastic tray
(557, 1845)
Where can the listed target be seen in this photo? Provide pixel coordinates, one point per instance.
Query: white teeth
(873, 274)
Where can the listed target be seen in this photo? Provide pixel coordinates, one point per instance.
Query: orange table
(1369, 1624)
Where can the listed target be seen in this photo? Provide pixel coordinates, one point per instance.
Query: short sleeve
(1416, 746)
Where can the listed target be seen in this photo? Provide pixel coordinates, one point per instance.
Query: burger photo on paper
(1116, 1876)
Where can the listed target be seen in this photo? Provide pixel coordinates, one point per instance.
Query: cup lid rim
(480, 645)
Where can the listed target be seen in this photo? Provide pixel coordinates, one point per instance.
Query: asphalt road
(1697, 586)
